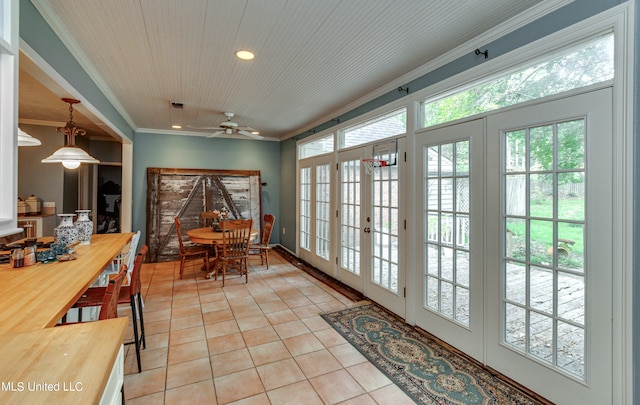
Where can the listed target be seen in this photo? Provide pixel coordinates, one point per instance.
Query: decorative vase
(84, 225)
(66, 232)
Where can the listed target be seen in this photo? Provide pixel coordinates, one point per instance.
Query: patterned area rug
(427, 371)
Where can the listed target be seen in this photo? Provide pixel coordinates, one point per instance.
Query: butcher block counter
(80, 363)
(36, 297)
(71, 364)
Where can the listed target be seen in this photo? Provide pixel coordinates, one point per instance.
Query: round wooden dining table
(207, 236)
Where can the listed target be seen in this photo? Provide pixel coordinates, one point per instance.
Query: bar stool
(129, 294)
(109, 298)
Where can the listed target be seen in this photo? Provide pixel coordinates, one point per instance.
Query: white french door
(315, 185)
(450, 173)
(549, 260)
(354, 250)
(371, 224)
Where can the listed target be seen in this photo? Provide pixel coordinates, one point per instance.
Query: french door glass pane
(305, 208)
(350, 209)
(570, 357)
(323, 208)
(384, 231)
(515, 323)
(543, 258)
(446, 215)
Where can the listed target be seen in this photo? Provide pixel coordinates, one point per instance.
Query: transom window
(316, 147)
(584, 65)
(385, 126)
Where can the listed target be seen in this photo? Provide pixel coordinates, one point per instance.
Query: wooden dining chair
(190, 251)
(131, 295)
(208, 217)
(263, 247)
(234, 250)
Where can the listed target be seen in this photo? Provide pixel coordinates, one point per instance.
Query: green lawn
(542, 232)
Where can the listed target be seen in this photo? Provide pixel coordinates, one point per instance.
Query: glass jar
(65, 233)
(17, 257)
(84, 226)
(30, 248)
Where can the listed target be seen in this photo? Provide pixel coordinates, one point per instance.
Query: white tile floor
(256, 343)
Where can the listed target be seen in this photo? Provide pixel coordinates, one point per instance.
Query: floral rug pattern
(427, 371)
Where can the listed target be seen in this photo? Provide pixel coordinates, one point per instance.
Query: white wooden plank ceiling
(313, 57)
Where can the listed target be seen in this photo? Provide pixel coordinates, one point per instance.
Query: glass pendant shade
(24, 139)
(71, 156)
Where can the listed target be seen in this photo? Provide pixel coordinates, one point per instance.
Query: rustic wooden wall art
(185, 193)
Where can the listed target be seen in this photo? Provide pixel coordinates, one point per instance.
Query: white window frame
(9, 53)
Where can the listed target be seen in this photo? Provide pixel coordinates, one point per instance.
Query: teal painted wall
(188, 152)
(288, 157)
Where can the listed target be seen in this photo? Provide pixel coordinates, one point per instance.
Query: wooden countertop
(36, 297)
(65, 365)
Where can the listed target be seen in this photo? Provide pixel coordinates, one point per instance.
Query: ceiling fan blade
(248, 129)
(213, 135)
(216, 128)
(249, 134)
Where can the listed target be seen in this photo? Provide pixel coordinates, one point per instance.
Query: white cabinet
(112, 394)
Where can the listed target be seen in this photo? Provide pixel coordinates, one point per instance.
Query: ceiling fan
(228, 127)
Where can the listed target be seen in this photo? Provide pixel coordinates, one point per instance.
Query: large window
(8, 114)
(589, 63)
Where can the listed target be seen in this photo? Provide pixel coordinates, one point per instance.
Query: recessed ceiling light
(176, 126)
(245, 55)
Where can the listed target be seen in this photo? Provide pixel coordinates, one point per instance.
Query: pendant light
(24, 139)
(71, 156)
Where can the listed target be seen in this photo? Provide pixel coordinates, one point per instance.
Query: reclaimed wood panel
(187, 192)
